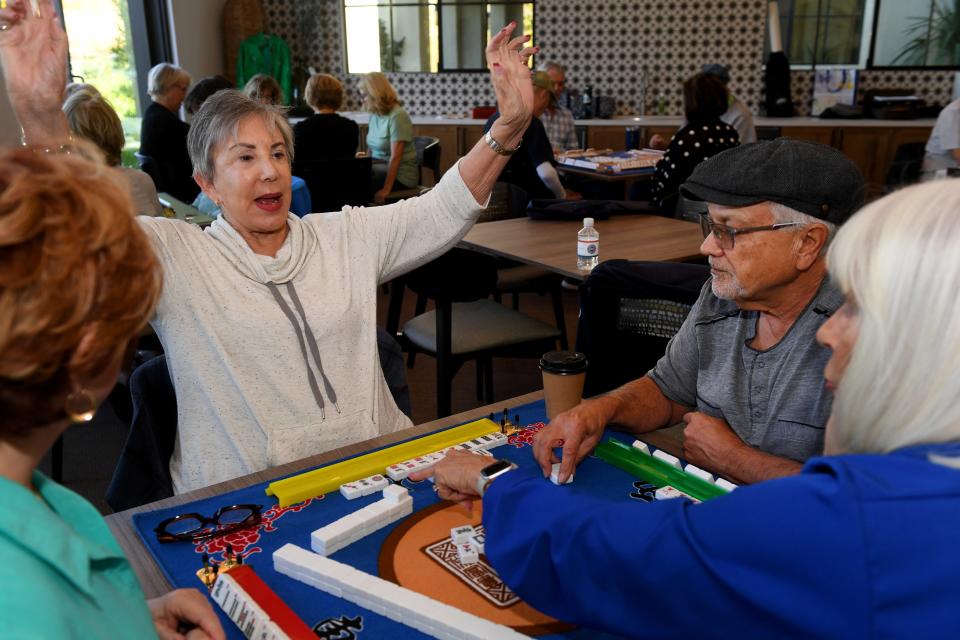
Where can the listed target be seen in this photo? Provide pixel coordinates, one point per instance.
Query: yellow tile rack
(325, 479)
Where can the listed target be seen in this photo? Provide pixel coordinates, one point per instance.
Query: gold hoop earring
(80, 406)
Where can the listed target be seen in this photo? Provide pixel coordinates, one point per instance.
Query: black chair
(150, 167)
(629, 310)
(142, 474)
(466, 325)
(513, 278)
(906, 165)
(428, 155)
(336, 183)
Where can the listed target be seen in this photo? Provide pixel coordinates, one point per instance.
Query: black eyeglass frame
(721, 231)
(207, 533)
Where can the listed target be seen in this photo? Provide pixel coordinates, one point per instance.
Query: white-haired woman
(163, 135)
(861, 544)
(269, 321)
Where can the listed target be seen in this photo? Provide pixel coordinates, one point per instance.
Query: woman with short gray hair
(268, 320)
(163, 136)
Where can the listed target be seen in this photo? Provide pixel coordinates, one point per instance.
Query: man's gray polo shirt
(775, 400)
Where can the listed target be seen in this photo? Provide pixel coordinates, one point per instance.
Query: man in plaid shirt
(557, 120)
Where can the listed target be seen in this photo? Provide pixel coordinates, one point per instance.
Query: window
(101, 54)
(425, 35)
(917, 33)
(826, 32)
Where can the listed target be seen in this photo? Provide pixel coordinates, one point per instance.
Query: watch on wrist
(499, 148)
(492, 471)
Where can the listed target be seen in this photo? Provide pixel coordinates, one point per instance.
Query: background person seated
(532, 166)
(737, 115)
(389, 137)
(263, 88)
(91, 117)
(201, 90)
(163, 136)
(861, 544)
(704, 135)
(943, 146)
(558, 120)
(743, 371)
(325, 135)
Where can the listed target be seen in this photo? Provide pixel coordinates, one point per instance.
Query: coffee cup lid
(563, 362)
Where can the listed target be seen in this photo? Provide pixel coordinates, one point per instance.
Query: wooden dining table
(551, 244)
(154, 583)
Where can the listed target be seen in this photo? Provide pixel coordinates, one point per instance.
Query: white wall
(197, 31)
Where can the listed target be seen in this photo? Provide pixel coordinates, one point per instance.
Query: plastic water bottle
(588, 246)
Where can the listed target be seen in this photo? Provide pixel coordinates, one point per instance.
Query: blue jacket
(857, 546)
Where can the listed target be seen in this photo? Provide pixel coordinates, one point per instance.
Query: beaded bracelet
(65, 148)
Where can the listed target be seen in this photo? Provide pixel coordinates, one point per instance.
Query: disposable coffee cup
(563, 375)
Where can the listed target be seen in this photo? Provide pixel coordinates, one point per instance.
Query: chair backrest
(460, 275)
(506, 201)
(428, 155)
(629, 310)
(906, 165)
(335, 183)
(149, 166)
(142, 474)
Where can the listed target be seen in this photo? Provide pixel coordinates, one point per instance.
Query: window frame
(867, 30)
(439, 4)
(886, 67)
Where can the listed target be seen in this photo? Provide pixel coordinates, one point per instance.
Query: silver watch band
(499, 148)
(484, 480)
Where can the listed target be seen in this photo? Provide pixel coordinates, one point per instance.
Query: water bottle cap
(588, 222)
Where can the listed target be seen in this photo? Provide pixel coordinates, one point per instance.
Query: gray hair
(163, 76)
(783, 214)
(550, 66)
(219, 120)
(897, 259)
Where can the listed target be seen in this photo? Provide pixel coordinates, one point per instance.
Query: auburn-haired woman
(78, 280)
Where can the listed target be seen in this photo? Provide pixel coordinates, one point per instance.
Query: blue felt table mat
(294, 524)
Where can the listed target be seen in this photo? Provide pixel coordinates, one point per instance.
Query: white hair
(898, 259)
(219, 119)
(163, 77)
(782, 214)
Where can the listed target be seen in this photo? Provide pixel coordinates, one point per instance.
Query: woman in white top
(269, 320)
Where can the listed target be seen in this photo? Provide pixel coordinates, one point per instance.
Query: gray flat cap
(809, 177)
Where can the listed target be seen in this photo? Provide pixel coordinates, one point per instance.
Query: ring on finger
(4, 26)
(434, 487)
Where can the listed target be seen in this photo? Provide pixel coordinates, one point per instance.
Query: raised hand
(507, 60)
(33, 54)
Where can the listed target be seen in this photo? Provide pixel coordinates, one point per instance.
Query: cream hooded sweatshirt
(275, 359)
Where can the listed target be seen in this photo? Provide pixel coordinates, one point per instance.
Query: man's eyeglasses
(725, 235)
(195, 527)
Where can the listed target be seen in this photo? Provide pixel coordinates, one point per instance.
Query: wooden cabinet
(664, 132)
(455, 142)
(823, 135)
(607, 137)
(870, 151)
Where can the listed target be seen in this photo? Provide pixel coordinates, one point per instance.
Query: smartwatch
(491, 471)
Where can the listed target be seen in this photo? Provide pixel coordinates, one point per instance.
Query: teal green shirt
(382, 131)
(62, 574)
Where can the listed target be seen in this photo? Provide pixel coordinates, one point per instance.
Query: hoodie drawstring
(311, 340)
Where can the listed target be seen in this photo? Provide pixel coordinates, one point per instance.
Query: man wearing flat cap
(744, 371)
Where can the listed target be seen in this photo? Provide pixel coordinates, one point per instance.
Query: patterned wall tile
(612, 45)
